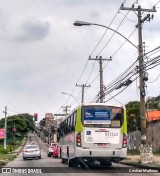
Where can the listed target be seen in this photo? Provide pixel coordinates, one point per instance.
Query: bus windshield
(102, 116)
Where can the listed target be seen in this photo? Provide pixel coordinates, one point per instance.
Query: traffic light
(35, 117)
(14, 130)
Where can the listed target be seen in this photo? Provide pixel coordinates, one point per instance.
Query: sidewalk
(134, 160)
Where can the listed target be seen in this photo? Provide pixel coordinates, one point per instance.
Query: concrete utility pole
(5, 127)
(100, 59)
(65, 109)
(142, 74)
(83, 86)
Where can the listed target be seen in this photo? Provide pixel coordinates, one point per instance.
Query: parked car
(51, 149)
(55, 152)
(31, 151)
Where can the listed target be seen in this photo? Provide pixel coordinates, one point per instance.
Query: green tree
(133, 115)
(22, 122)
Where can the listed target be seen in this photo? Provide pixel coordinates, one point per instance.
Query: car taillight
(124, 143)
(25, 150)
(78, 139)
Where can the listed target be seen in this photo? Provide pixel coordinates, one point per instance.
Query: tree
(22, 122)
(133, 115)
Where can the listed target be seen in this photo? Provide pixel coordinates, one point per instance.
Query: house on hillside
(153, 115)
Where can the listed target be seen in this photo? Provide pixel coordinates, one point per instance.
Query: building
(153, 115)
(48, 119)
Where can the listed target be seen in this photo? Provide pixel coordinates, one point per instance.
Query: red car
(55, 151)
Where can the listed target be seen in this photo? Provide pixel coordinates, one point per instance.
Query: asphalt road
(55, 167)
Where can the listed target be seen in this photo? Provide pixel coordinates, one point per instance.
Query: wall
(153, 137)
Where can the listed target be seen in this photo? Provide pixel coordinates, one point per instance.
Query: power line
(155, 79)
(106, 30)
(113, 56)
(91, 54)
(127, 17)
(157, 3)
(113, 34)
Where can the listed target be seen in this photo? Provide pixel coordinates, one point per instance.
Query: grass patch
(133, 152)
(7, 157)
(9, 149)
(156, 152)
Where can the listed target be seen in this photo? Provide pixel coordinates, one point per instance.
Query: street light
(82, 23)
(71, 96)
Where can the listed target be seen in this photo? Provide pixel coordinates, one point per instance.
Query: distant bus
(93, 133)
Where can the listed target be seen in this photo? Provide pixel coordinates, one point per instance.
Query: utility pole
(65, 109)
(83, 86)
(100, 59)
(5, 127)
(142, 74)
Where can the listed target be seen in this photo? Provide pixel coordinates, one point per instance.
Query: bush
(133, 152)
(156, 151)
(5, 151)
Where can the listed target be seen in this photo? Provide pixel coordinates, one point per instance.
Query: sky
(44, 54)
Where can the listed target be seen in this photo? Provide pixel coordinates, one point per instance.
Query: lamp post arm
(71, 96)
(115, 32)
(82, 23)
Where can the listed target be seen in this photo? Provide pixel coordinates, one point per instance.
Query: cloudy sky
(44, 54)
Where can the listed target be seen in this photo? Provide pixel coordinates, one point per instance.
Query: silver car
(31, 151)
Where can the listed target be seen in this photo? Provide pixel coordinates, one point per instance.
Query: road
(55, 167)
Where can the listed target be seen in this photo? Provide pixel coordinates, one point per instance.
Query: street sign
(2, 133)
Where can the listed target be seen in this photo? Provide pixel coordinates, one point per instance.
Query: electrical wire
(95, 61)
(128, 18)
(113, 56)
(153, 61)
(125, 17)
(87, 60)
(98, 54)
(113, 34)
(116, 100)
(155, 79)
(157, 3)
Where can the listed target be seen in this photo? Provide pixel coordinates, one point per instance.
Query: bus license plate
(102, 145)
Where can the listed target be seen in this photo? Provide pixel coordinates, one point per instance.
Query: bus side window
(69, 126)
(62, 128)
(71, 122)
(74, 120)
(66, 127)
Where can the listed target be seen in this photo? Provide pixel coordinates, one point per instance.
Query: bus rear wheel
(73, 162)
(63, 160)
(105, 163)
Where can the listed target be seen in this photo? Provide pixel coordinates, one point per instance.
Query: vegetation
(23, 124)
(133, 115)
(133, 152)
(133, 112)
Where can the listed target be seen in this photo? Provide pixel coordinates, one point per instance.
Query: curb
(139, 165)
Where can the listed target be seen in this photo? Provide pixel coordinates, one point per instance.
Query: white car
(51, 149)
(31, 151)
